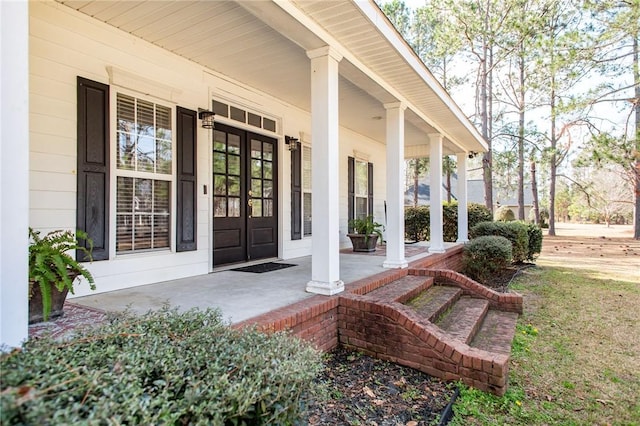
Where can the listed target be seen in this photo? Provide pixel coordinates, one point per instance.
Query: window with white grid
(144, 155)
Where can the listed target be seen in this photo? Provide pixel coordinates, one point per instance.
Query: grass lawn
(576, 355)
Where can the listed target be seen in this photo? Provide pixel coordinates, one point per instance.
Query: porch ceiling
(263, 44)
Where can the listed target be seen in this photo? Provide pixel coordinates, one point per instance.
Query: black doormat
(264, 267)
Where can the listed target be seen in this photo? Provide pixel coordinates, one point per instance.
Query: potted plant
(366, 234)
(53, 272)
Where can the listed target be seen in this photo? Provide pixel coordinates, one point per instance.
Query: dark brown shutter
(92, 213)
(370, 188)
(351, 175)
(186, 217)
(296, 194)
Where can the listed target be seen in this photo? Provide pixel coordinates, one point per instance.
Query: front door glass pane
(234, 144)
(234, 207)
(256, 169)
(234, 185)
(220, 206)
(267, 151)
(256, 149)
(268, 170)
(267, 208)
(256, 207)
(234, 165)
(267, 187)
(219, 162)
(256, 188)
(220, 185)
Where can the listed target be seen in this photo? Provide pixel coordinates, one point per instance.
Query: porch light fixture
(291, 142)
(207, 118)
(472, 154)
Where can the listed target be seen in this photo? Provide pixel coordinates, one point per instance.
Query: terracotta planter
(35, 304)
(362, 244)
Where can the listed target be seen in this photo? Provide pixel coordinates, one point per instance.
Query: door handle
(250, 203)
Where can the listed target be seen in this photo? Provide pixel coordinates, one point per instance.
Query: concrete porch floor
(239, 295)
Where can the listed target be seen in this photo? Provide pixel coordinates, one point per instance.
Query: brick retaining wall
(391, 330)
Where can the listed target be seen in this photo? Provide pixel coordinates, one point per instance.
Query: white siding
(65, 44)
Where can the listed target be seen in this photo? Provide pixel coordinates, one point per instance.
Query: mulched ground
(355, 389)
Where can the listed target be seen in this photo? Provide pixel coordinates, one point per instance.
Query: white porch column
(325, 250)
(395, 186)
(436, 244)
(463, 219)
(14, 171)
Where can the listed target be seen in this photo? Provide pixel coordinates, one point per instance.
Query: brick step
(496, 333)
(401, 290)
(464, 318)
(436, 300)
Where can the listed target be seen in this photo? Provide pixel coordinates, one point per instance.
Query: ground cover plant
(160, 368)
(577, 347)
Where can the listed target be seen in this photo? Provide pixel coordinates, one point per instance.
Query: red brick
(448, 351)
(445, 366)
(477, 364)
(450, 376)
(499, 381)
(432, 341)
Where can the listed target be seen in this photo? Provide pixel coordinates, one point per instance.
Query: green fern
(51, 265)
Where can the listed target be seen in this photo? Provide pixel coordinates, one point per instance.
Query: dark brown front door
(245, 221)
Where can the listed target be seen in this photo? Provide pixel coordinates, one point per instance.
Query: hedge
(535, 241)
(417, 226)
(485, 256)
(162, 368)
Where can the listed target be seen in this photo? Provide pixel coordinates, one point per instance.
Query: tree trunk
(448, 185)
(521, 138)
(534, 191)
(636, 79)
(553, 159)
(484, 118)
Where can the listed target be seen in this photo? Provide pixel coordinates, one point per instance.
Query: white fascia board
(382, 23)
(314, 27)
(377, 18)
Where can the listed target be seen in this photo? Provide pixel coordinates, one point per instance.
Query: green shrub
(478, 213)
(162, 368)
(505, 214)
(516, 232)
(535, 241)
(450, 221)
(485, 256)
(416, 223)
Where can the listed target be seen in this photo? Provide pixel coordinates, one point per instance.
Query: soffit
(262, 45)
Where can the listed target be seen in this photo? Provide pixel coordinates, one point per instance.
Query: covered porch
(241, 296)
(332, 77)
